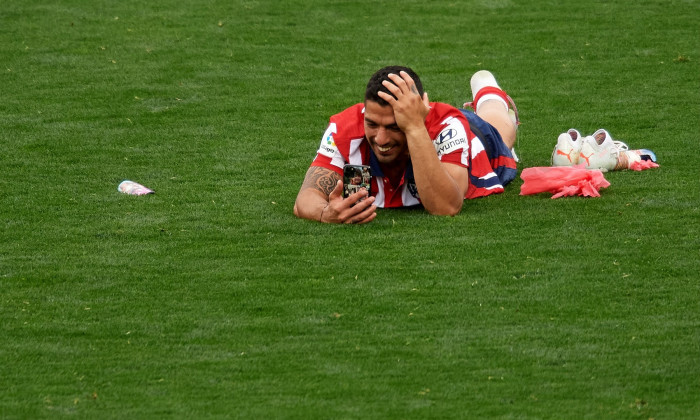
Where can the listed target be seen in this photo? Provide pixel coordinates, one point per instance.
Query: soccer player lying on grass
(419, 152)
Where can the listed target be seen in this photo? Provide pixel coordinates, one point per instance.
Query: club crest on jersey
(411, 185)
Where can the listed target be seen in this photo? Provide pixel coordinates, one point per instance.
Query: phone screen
(356, 177)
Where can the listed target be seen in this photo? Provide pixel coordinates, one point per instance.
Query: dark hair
(374, 86)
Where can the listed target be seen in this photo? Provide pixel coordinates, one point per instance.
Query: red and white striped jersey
(344, 142)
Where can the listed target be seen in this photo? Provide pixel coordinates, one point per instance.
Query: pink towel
(563, 181)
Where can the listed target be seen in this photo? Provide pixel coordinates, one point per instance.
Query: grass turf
(209, 299)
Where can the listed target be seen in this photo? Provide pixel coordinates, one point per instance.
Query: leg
(492, 106)
(496, 114)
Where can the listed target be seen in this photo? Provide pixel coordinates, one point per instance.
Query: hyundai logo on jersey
(447, 135)
(450, 139)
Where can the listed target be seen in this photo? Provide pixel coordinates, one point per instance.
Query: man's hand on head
(410, 109)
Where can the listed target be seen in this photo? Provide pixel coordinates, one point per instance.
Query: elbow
(450, 213)
(448, 210)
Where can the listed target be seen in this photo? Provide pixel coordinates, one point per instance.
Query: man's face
(386, 139)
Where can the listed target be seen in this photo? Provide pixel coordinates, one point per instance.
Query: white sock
(480, 80)
(491, 97)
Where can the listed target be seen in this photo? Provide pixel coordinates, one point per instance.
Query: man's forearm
(313, 204)
(314, 194)
(440, 193)
(310, 204)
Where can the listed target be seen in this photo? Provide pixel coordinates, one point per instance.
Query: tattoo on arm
(321, 179)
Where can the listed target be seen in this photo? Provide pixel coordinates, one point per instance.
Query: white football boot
(600, 151)
(568, 148)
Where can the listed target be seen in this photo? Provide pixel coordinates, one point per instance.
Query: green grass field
(210, 300)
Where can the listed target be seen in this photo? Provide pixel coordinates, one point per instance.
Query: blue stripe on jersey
(494, 146)
(485, 183)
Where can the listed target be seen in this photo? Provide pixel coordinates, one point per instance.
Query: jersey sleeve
(328, 155)
(452, 142)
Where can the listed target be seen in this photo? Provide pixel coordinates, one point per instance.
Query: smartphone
(356, 177)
